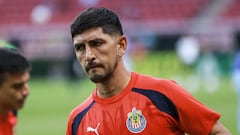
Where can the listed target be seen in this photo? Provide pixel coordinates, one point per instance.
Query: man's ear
(122, 45)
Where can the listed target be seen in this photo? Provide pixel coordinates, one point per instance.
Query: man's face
(97, 52)
(14, 91)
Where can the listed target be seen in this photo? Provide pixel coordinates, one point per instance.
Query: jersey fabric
(147, 106)
(8, 123)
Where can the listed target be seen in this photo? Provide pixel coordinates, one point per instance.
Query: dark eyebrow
(18, 84)
(78, 44)
(90, 41)
(97, 40)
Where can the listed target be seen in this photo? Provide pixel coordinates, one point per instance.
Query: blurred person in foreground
(14, 76)
(127, 103)
(236, 81)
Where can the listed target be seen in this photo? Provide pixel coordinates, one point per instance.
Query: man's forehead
(16, 77)
(89, 35)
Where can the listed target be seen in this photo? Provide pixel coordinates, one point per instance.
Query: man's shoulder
(161, 85)
(148, 80)
(82, 107)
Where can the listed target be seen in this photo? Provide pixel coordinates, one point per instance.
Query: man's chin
(20, 105)
(97, 78)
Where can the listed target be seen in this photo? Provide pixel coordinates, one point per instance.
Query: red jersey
(7, 124)
(147, 106)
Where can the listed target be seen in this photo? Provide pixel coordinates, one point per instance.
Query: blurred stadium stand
(46, 35)
(64, 10)
(232, 12)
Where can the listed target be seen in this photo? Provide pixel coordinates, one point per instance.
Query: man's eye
(79, 47)
(96, 43)
(18, 86)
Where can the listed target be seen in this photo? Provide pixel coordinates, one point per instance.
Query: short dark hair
(12, 62)
(97, 17)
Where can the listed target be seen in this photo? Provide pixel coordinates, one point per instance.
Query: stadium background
(155, 28)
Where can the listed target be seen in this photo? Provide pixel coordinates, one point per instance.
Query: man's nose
(89, 54)
(25, 90)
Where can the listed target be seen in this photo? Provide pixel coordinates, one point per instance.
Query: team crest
(136, 122)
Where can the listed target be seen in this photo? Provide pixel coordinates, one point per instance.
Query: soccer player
(128, 103)
(236, 80)
(14, 76)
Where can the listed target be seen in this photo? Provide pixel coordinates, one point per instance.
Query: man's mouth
(21, 102)
(93, 66)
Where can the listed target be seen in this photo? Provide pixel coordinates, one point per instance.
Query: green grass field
(50, 102)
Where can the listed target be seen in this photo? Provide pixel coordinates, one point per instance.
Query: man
(14, 76)
(127, 103)
(236, 81)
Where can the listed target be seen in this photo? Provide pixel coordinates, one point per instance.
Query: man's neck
(3, 112)
(114, 86)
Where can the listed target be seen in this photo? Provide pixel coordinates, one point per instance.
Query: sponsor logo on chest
(136, 122)
(95, 130)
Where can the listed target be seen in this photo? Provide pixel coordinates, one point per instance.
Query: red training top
(147, 106)
(7, 124)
